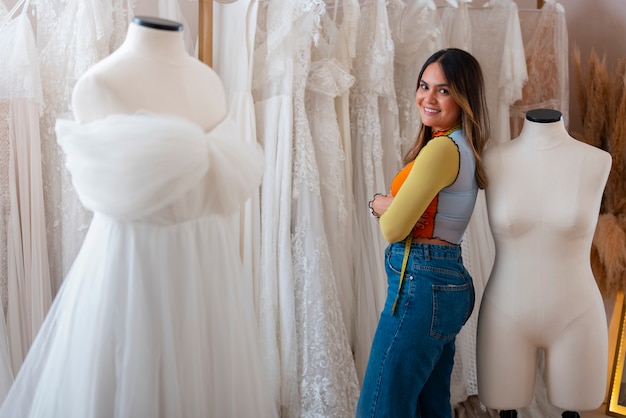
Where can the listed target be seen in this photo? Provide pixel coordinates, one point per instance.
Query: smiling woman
(430, 293)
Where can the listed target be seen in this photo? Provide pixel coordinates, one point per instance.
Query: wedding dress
(151, 320)
(305, 337)
(72, 35)
(233, 61)
(271, 87)
(25, 271)
(417, 34)
(372, 99)
(328, 79)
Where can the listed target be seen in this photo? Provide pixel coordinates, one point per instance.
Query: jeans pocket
(452, 306)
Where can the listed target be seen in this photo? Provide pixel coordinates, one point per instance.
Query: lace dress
(71, 36)
(371, 97)
(417, 34)
(544, 33)
(328, 79)
(305, 337)
(151, 320)
(24, 268)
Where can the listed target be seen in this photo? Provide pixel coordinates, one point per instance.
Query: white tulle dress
(151, 320)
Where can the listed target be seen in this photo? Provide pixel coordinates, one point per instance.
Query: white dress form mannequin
(151, 71)
(543, 199)
(152, 319)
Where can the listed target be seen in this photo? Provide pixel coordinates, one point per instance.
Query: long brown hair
(467, 88)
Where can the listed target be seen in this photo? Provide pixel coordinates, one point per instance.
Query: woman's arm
(436, 167)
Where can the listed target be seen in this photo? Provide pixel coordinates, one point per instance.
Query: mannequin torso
(543, 202)
(151, 71)
(133, 331)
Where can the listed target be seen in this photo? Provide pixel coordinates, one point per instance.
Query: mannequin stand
(513, 414)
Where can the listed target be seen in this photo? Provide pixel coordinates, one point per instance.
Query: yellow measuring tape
(407, 250)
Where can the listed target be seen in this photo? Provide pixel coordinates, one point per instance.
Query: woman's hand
(379, 204)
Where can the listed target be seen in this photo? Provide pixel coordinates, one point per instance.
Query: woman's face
(434, 102)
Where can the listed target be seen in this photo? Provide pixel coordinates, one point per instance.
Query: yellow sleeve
(436, 167)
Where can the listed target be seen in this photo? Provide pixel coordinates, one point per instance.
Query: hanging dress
(272, 92)
(323, 349)
(233, 61)
(417, 34)
(25, 274)
(71, 36)
(151, 320)
(371, 92)
(328, 79)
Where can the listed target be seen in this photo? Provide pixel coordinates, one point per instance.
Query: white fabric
(323, 347)
(306, 338)
(272, 94)
(328, 79)
(417, 34)
(151, 320)
(170, 9)
(71, 37)
(25, 272)
(233, 61)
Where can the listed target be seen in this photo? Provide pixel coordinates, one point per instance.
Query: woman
(430, 294)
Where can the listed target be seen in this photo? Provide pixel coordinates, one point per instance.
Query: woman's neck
(447, 132)
(166, 47)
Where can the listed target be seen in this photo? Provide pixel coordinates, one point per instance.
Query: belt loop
(426, 252)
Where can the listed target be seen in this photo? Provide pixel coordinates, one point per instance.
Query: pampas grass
(602, 102)
(594, 122)
(610, 242)
(616, 146)
(580, 82)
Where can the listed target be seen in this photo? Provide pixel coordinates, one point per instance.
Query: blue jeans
(411, 359)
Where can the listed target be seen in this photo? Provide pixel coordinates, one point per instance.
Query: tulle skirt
(151, 321)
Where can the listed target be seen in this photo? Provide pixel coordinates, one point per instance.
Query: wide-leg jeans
(412, 354)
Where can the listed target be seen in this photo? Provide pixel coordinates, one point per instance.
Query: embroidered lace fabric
(372, 107)
(417, 34)
(328, 79)
(318, 376)
(71, 36)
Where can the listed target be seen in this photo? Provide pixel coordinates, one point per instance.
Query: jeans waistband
(427, 251)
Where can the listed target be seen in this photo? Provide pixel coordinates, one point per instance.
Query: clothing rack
(205, 30)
